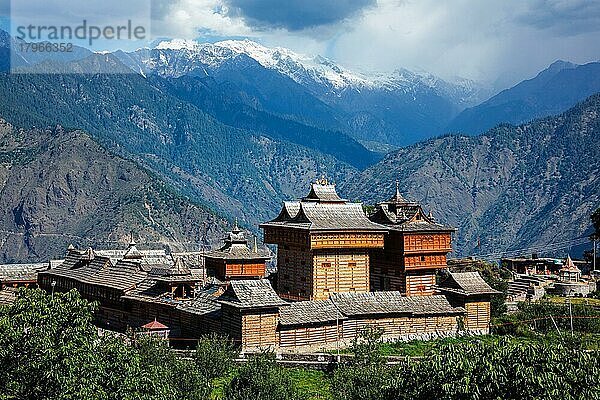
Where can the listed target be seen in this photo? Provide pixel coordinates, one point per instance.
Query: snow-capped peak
(316, 72)
(178, 44)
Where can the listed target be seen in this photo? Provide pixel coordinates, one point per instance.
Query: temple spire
(397, 196)
(236, 228)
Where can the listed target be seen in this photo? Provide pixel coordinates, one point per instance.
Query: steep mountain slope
(59, 187)
(517, 188)
(234, 171)
(215, 99)
(552, 91)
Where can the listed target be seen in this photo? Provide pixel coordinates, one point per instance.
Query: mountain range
(234, 128)
(512, 190)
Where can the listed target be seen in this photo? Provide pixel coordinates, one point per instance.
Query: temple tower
(415, 247)
(323, 245)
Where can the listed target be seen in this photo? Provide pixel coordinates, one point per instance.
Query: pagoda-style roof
(466, 284)
(179, 271)
(251, 294)
(155, 326)
(402, 215)
(88, 268)
(570, 266)
(323, 192)
(324, 210)
(236, 248)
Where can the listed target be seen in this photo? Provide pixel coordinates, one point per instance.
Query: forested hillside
(237, 172)
(515, 189)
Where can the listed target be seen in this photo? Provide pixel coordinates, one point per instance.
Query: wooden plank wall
(259, 329)
(393, 328)
(245, 269)
(386, 271)
(401, 326)
(418, 242)
(283, 236)
(231, 322)
(340, 271)
(346, 240)
(294, 272)
(424, 261)
(309, 335)
(478, 315)
(421, 284)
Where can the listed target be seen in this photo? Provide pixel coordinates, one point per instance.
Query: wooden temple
(415, 248)
(323, 245)
(235, 260)
(338, 272)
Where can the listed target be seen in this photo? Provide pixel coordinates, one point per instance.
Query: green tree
(261, 378)
(215, 355)
(366, 376)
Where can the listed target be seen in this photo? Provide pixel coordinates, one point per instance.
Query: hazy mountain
(519, 189)
(59, 187)
(552, 91)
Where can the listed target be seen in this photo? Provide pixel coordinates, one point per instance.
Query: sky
(493, 41)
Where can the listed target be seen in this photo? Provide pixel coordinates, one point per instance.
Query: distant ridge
(513, 190)
(551, 92)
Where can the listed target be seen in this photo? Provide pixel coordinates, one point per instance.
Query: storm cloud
(295, 15)
(571, 17)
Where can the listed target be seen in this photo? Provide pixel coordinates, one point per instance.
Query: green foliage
(480, 369)
(261, 378)
(214, 356)
(49, 349)
(366, 375)
(534, 318)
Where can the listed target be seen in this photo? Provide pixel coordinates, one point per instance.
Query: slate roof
(150, 290)
(323, 192)
(8, 296)
(370, 303)
(21, 272)
(99, 271)
(309, 312)
(467, 284)
(236, 248)
(323, 210)
(402, 215)
(251, 294)
(327, 217)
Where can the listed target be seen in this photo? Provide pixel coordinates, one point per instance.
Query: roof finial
(131, 240)
(255, 245)
(235, 225)
(397, 188)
